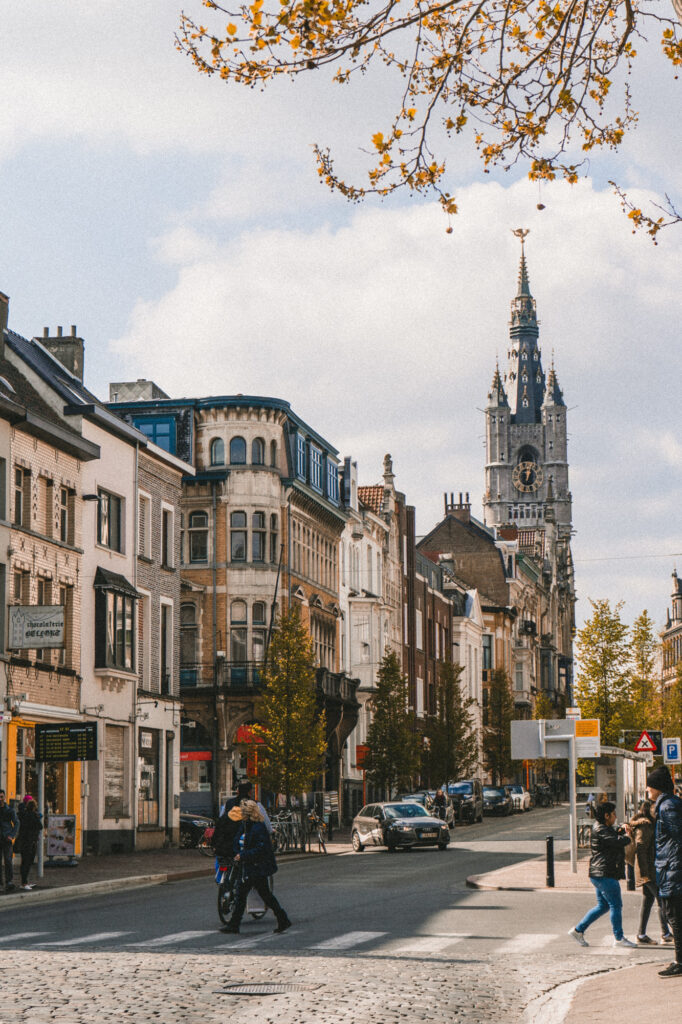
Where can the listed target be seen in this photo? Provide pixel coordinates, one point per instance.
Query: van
(467, 797)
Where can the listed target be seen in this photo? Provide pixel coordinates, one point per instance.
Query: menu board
(66, 741)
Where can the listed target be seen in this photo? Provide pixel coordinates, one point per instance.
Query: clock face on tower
(527, 476)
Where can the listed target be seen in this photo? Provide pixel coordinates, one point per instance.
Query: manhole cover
(263, 990)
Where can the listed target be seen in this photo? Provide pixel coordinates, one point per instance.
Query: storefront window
(115, 789)
(148, 762)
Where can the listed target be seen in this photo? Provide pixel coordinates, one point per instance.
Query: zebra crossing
(460, 945)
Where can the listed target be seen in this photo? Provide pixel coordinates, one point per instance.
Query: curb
(478, 882)
(73, 892)
(554, 1006)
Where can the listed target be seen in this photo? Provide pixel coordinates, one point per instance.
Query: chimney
(68, 349)
(459, 509)
(4, 318)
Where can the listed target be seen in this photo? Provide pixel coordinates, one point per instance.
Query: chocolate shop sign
(36, 626)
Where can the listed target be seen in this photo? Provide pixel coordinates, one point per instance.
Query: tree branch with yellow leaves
(533, 78)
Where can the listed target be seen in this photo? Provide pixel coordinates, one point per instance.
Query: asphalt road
(399, 936)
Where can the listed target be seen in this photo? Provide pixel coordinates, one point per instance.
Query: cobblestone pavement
(45, 988)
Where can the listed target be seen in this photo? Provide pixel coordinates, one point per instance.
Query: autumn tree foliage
(531, 79)
(393, 758)
(292, 728)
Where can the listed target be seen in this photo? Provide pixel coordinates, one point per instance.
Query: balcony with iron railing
(231, 676)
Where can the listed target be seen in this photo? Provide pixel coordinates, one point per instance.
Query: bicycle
(205, 844)
(227, 877)
(317, 830)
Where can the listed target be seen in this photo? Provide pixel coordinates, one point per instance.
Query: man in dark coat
(253, 849)
(668, 813)
(9, 826)
(228, 824)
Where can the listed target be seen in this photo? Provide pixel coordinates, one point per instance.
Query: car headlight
(402, 828)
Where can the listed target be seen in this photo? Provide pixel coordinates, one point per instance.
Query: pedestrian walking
(253, 850)
(668, 812)
(9, 826)
(643, 849)
(607, 867)
(27, 841)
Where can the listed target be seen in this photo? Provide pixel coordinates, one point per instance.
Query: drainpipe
(133, 745)
(216, 746)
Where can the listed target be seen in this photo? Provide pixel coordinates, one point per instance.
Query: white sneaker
(625, 943)
(579, 937)
(27, 887)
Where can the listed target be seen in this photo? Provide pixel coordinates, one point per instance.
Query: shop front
(62, 778)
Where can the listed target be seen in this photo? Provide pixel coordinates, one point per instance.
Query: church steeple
(497, 395)
(526, 377)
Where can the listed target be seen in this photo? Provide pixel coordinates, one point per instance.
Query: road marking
(429, 943)
(22, 935)
(169, 940)
(526, 942)
(96, 937)
(347, 940)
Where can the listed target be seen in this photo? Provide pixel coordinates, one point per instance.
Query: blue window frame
(300, 457)
(159, 429)
(316, 468)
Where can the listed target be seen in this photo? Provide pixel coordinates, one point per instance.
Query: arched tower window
(273, 453)
(217, 452)
(258, 451)
(238, 451)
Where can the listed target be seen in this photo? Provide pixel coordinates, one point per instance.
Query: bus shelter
(620, 777)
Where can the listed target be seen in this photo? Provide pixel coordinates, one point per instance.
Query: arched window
(273, 453)
(217, 452)
(238, 451)
(198, 536)
(258, 451)
(258, 613)
(238, 613)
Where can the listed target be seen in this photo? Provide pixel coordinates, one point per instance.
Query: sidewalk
(631, 993)
(128, 871)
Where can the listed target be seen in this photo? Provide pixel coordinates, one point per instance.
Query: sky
(179, 223)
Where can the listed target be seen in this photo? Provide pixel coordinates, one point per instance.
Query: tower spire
(524, 287)
(525, 371)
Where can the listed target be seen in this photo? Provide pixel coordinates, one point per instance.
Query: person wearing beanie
(668, 813)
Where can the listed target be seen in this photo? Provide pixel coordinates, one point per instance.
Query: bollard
(550, 862)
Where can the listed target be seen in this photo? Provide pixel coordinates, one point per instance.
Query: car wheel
(390, 848)
(358, 847)
(442, 846)
(479, 819)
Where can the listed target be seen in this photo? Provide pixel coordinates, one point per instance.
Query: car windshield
(405, 811)
(417, 798)
(516, 789)
(493, 791)
(461, 787)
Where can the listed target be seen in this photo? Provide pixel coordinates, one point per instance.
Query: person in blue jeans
(607, 867)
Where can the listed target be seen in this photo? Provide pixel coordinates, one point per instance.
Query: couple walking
(660, 875)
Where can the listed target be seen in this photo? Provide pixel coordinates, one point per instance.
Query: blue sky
(179, 223)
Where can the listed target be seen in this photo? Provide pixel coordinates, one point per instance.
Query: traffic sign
(649, 742)
(572, 713)
(587, 737)
(671, 751)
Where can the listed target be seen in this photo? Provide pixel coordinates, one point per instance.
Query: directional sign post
(671, 751)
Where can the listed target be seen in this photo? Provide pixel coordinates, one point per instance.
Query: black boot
(283, 922)
(232, 927)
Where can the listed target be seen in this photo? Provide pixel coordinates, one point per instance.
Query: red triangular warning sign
(645, 744)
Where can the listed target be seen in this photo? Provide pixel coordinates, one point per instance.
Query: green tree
(292, 728)
(645, 688)
(498, 716)
(524, 81)
(393, 757)
(603, 680)
(453, 742)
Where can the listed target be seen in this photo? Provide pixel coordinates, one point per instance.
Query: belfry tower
(526, 473)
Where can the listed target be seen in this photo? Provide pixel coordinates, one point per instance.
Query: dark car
(192, 828)
(496, 800)
(395, 825)
(426, 797)
(467, 796)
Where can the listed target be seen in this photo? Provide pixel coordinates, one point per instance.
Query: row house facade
(262, 521)
(117, 509)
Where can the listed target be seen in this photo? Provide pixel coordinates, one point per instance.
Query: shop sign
(36, 626)
(66, 741)
(245, 734)
(196, 755)
(146, 740)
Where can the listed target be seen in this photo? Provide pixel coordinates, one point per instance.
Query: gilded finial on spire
(524, 287)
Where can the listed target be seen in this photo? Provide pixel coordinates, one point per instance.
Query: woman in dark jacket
(253, 848)
(26, 842)
(607, 867)
(643, 835)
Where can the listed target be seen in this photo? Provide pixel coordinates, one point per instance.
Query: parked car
(467, 797)
(496, 800)
(192, 828)
(521, 798)
(397, 824)
(426, 797)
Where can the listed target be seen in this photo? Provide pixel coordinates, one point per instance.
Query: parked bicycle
(286, 831)
(317, 831)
